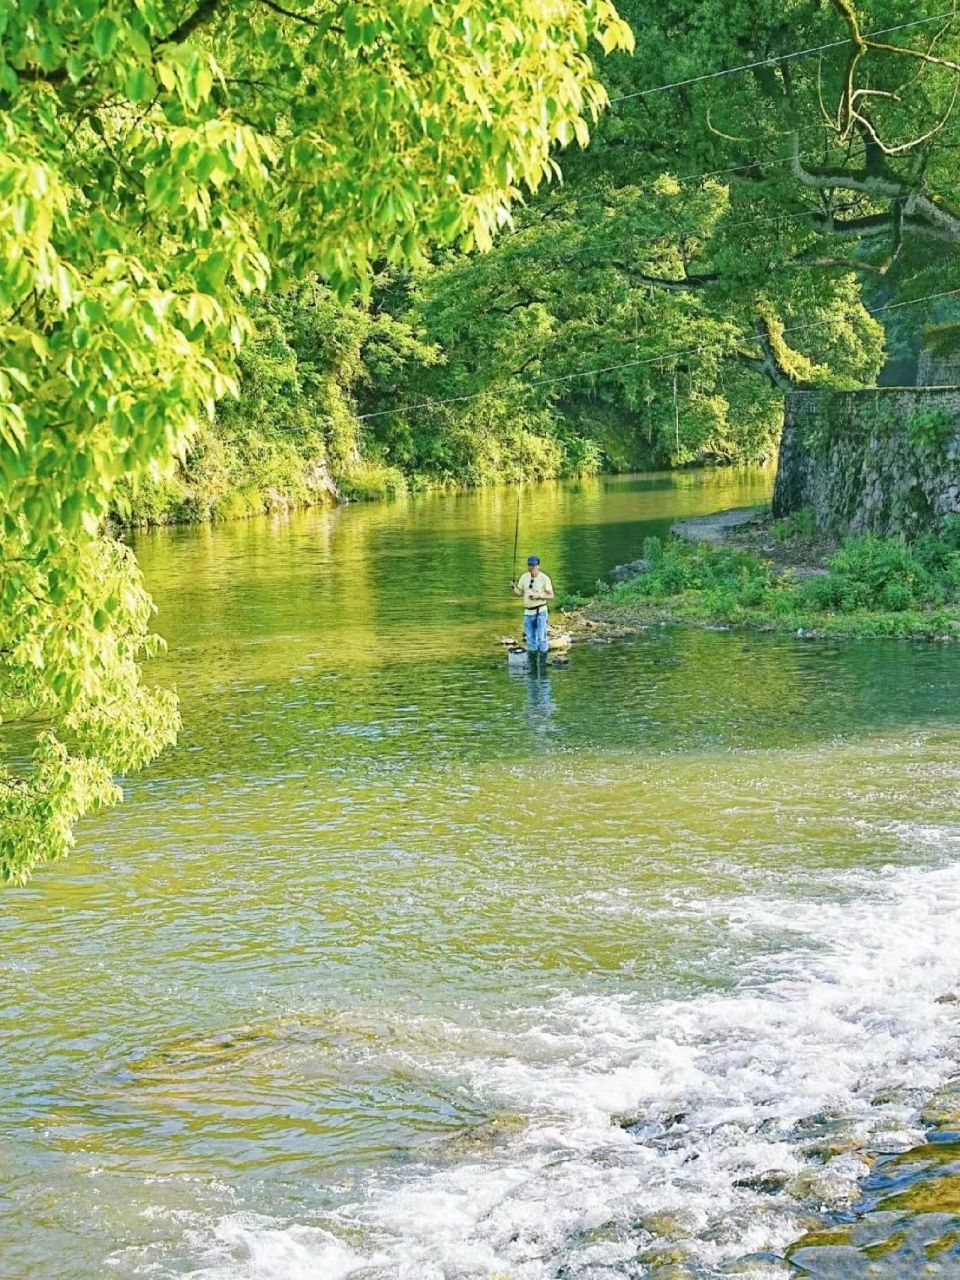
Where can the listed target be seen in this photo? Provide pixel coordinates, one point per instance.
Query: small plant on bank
(652, 551)
(677, 567)
(571, 600)
(950, 531)
(801, 524)
(929, 428)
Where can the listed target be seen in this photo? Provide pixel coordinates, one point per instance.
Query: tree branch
(850, 114)
(768, 364)
(514, 306)
(289, 13)
(872, 224)
(843, 264)
(689, 284)
(526, 364)
(204, 11)
(922, 215)
(200, 16)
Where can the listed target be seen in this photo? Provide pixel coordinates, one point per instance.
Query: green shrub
(805, 523)
(872, 586)
(856, 596)
(782, 604)
(801, 524)
(869, 565)
(753, 593)
(897, 597)
(929, 428)
(949, 532)
(371, 480)
(821, 593)
(652, 550)
(677, 567)
(720, 603)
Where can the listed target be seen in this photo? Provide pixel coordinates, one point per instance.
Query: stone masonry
(884, 461)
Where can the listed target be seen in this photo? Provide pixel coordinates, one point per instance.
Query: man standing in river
(536, 589)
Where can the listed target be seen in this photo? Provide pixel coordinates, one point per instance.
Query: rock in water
(633, 569)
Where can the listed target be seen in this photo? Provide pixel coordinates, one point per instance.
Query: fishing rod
(516, 527)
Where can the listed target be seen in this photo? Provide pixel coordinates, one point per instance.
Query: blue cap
(533, 559)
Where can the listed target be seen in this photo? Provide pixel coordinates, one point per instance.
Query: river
(402, 966)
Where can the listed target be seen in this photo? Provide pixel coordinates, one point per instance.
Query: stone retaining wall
(884, 461)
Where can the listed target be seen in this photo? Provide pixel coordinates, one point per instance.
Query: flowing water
(404, 966)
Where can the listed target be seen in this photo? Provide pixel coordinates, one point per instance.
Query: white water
(830, 1041)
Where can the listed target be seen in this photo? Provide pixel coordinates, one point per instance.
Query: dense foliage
(163, 168)
(717, 242)
(869, 586)
(159, 164)
(726, 238)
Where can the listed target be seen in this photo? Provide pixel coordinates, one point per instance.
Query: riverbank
(223, 480)
(743, 569)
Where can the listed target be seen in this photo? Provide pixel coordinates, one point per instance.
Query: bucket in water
(516, 656)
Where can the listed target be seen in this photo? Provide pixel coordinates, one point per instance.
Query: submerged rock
(834, 1185)
(477, 1138)
(666, 1224)
(760, 1266)
(633, 569)
(881, 1246)
(770, 1183)
(942, 1112)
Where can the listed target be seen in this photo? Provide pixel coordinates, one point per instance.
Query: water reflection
(421, 579)
(539, 700)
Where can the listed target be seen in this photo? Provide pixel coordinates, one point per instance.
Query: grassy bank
(782, 578)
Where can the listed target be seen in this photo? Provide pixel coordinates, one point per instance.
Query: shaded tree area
(717, 242)
(750, 222)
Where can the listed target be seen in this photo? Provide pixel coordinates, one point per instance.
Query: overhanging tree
(838, 140)
(157, 165)
(750, 222)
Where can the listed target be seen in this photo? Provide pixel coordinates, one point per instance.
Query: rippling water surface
(404, 966)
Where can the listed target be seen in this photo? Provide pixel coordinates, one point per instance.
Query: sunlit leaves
(73, 631)
(159, 164)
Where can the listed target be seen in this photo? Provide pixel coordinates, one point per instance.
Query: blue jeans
(535, 631)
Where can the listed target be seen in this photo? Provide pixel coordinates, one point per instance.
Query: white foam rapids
(696, 1131)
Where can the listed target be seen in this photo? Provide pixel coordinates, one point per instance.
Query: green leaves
(105, 33)
(140, 86)
(157, 168)
(71, 632)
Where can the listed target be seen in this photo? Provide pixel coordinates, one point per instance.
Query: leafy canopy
(760, 224)
(157, 168)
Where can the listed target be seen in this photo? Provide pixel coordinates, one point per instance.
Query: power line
(713, 173)
(746, 164)
(773, 160)
(665, 357)
(779, 57)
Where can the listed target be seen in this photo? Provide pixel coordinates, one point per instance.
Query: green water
(404, 965)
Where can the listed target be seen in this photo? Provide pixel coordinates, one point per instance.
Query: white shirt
(534, 586)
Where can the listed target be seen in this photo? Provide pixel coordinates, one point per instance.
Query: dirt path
(718, 527)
